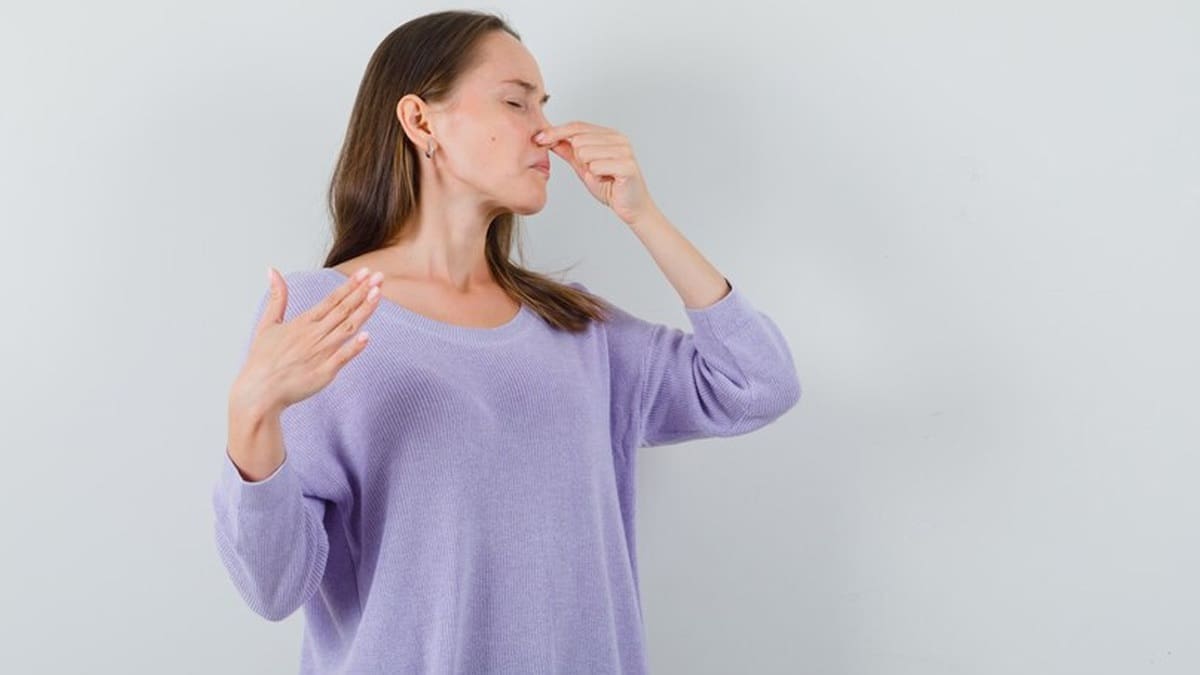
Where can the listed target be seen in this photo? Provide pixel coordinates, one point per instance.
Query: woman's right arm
(269, 514)
(270, 535)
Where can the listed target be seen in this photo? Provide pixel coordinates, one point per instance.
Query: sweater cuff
(280, 487)
(725, 316)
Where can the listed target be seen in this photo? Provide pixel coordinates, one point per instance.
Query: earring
(429, 152)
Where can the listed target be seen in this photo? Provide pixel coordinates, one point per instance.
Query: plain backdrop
(975, 222)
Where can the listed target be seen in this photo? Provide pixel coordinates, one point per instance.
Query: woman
(458, 496)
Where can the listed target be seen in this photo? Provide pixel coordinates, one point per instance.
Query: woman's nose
(543, 126)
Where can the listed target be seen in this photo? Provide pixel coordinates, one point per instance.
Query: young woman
(455, 494)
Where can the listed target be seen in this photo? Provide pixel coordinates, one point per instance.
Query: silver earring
(429, 152)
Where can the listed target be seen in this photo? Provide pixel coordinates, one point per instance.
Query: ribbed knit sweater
(461, 500)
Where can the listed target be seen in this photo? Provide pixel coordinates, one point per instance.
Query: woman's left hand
(604, 161)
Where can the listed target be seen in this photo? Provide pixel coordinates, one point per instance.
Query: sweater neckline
(522, 319)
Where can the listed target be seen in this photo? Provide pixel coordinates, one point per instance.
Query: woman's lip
(543, 169)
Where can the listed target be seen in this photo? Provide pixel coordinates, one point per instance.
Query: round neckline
(523, 318)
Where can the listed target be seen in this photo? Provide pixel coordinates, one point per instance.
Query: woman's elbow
(771, 399)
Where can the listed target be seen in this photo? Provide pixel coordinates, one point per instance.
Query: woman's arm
(269, 533)
(698, 283)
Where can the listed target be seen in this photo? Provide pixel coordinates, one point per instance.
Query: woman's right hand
(290, 361)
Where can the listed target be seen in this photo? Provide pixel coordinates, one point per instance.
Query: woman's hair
(375, 186)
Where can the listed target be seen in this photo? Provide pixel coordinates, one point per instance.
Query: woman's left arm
(604, 161)
(698, 283)
(733, 374)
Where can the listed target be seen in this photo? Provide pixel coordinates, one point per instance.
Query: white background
(976, 223)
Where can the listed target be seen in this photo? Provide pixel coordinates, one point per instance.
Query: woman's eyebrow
(527, 86)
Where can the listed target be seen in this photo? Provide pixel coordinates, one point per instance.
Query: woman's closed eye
(515, 103)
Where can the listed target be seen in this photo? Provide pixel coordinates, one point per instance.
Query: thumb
(565, 150)
(277, 300)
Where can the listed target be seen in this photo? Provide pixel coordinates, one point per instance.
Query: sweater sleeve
(270, 534)
(732, 374)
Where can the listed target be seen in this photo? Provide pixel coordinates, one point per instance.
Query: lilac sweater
(461, 500)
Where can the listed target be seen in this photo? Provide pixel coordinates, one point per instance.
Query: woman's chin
(532, 205)
(529, 209)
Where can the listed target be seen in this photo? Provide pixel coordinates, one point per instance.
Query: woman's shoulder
(305, 288)
(310, 277)
(313, 283)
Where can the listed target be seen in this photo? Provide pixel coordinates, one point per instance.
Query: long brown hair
(375, 183)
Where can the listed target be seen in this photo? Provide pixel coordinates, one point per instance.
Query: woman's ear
(414, 116)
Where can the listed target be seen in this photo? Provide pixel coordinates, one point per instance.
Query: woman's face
(484, 149)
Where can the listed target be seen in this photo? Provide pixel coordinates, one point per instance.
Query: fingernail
(269, 277)
(541, 137)
(360, 274)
